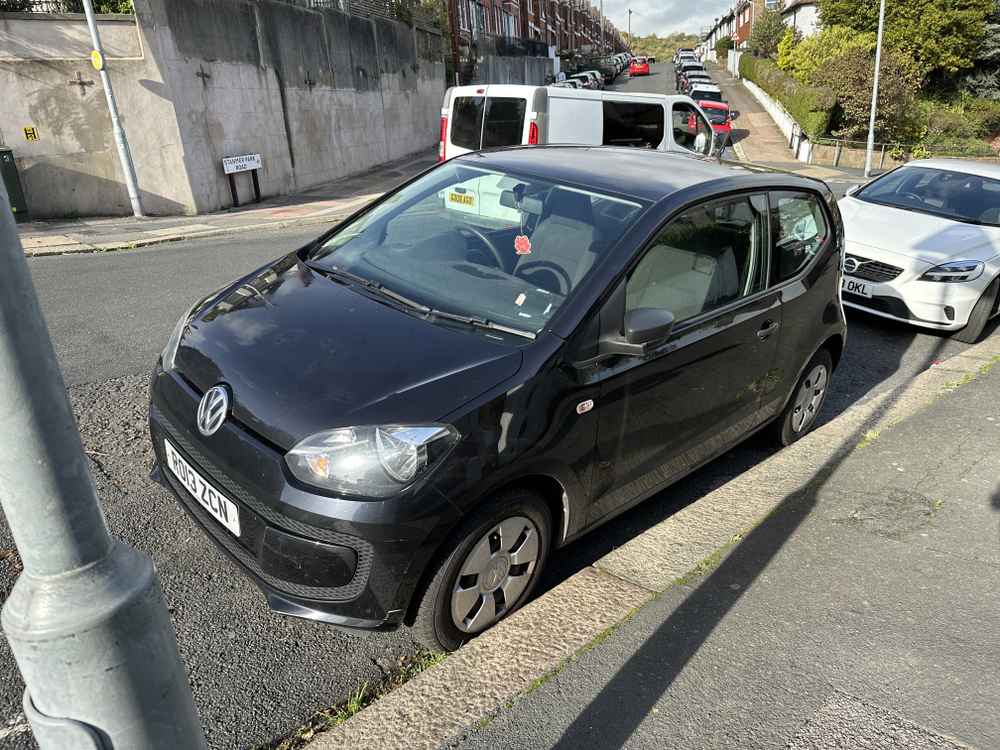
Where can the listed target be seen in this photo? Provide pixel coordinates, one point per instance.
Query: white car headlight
(370, 461)
(956, 270)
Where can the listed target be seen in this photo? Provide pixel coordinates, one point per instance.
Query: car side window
(691, 130)
(705, 258)
(799, 229)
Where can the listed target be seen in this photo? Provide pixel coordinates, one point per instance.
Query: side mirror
(647, 325)
(734, 114)
(644, 327)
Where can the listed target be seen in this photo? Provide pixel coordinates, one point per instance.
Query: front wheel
(980, 315)
(496, 559)
(800, 414)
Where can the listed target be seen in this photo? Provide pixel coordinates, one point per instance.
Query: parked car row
(695, 81)
(604, 73)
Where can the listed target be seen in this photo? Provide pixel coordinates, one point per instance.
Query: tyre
(980, 315)
(807, 400)
(495, 560)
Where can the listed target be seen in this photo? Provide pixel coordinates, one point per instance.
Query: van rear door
(476, 117)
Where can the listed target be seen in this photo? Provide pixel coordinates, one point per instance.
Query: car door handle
(767, 329)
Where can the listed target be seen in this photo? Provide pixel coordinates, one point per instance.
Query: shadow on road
(613, 715)
(858, 376)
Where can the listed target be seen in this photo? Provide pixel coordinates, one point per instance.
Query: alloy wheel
(494, 574)
(809, 398)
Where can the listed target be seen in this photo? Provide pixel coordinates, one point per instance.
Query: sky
(664, 16)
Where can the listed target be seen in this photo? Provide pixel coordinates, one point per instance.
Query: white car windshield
(497, 247)
(954, 195)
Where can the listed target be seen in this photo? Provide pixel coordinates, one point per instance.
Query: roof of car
(709, 104)
(704, 87)
(967, 166)
(641, 173)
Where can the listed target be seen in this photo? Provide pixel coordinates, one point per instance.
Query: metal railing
(895, 151)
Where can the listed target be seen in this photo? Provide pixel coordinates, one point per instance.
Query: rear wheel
(496, 559)
(980, 315)
(807, 401)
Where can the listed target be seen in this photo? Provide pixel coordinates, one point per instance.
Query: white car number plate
(856, 286)
(222, 508)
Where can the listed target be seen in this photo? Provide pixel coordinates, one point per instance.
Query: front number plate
(222, 508)
(856, 286)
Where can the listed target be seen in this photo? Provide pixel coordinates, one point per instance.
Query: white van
(490, 116)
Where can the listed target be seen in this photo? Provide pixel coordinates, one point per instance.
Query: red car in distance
(639, 67)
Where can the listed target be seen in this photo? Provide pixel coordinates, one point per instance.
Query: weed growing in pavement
(362, 697)
(870, 437)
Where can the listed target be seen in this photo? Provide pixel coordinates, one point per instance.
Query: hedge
(812, 107)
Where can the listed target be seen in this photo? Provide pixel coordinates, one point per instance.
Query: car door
(665, 413)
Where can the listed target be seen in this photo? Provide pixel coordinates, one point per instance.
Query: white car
(923, 245)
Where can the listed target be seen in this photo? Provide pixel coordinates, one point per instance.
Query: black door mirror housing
(644, 328)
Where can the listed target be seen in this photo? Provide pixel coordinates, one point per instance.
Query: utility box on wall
(8, 169)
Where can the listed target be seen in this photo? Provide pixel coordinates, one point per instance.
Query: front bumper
(930, 304)
(349, 563)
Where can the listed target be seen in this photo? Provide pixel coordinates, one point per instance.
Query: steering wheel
(487, 242)
(524, 270)
(912, 196)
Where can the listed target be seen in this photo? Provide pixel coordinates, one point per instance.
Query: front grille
(872, 270)
(251, 504)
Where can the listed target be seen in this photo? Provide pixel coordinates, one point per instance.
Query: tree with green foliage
(663, 47)
(938, 35)
(786, 47)
(814, 52)
(767, 32)
(722, 47)
(851, 74)
(984, 79)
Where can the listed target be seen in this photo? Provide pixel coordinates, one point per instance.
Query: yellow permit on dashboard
(462, 199)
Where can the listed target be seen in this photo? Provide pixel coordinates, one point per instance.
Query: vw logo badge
(851, 265)
(212, 410)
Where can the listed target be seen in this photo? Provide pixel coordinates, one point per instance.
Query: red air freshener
(522, 245)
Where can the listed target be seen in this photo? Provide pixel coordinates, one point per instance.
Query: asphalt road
(257, 676)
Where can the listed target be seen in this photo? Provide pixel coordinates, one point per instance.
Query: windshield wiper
(481, 323)
(380, 290)
(373, 286)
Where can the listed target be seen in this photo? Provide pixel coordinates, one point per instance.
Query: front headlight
(956, 270)
(370, 461)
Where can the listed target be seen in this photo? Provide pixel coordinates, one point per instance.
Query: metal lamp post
(86, 620)
(869, 153)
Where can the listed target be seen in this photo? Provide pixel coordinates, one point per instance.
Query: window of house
(799, 229)
(707, 257)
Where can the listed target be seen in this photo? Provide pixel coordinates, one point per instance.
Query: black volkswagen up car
(399, 422)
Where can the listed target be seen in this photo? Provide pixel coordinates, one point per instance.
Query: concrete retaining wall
(318, 93)
(533, 71)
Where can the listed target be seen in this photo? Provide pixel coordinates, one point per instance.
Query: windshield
(717, 116)
(706, 96)
(954, 195)
(499, 247)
